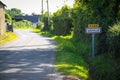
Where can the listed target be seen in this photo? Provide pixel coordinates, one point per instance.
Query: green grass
(74, 58)
(9, 36)
(45, 33)
(68, 62)
(24, 28)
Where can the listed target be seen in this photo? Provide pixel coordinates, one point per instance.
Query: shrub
(62, 22)
(103, 68)
(40, 25)
(113, 37)
(22, 24)
(47, 23)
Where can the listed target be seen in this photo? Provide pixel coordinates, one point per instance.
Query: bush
(103, 68)
(62, 22)
(40, 25)
(47, 24)
(24, 24)
(113, 37)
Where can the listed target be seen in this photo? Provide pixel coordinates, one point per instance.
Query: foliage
(8, 17)
(104, 12)
(113, 37)
(105, 67)
(40, 25)
(45, 21)
(24, 24)
(62, 22)
(14, 12)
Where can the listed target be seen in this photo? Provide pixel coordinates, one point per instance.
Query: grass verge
(68, 61)
(24, 28)
(75, 59)
(9, 36)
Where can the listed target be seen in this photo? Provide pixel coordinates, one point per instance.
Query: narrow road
(31, 57)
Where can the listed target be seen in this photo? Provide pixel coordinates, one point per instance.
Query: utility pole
(42, 10)
(48, 13)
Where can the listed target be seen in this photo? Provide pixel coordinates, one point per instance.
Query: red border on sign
(93, 32)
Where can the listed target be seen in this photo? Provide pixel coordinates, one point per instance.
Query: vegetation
(23, 24)
(8, 17)
(113, 37)
(9, 36)
(45, 20)
(105, 65)
(14, 12)
(62, 22)
(17, 24)
(45, 24)
(40, 25)
(95, 11)
(68, 61)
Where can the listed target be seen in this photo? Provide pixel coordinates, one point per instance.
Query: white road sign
(93, 30)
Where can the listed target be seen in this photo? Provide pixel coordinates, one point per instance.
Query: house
(2, 18)
(33, 18)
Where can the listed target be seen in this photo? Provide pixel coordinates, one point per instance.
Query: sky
(34, 6)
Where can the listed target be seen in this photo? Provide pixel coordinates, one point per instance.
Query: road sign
(93, 30)
(93, 25)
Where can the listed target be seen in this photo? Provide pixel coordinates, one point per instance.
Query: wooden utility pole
(48, 13)
(42, 10)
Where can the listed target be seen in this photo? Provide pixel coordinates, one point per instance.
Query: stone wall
(2, 20)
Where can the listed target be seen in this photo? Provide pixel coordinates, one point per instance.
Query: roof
(32, 18)
(2, 3)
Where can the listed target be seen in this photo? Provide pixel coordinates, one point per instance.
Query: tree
(8, 17)
(14, 12)
(62, 22)
(45, 21)
(103, 12)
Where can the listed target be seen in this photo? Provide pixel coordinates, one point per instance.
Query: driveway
(31, 57)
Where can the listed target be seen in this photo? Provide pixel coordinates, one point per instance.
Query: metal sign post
(93, 45)
(93, 29)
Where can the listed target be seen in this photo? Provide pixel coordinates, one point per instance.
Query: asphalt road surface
(31, 57)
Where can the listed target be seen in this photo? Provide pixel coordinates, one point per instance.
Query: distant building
(2, 18)
(33, 18)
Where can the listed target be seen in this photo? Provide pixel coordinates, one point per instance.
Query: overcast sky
(34, 6)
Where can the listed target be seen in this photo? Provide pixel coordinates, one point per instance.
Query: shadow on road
(36, 64)
(31, 57)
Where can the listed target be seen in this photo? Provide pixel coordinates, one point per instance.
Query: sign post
(93, 29)
(93, 45)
